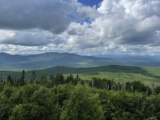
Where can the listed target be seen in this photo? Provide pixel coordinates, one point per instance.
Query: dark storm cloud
(28, 14)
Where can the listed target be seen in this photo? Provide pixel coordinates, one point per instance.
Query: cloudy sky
(85, 27)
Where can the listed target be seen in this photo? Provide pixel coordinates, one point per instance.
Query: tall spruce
(9, 79)
(33, 77)
(22, 82)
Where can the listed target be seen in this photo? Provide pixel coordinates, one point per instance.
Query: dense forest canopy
(123, 74)
(74, 98)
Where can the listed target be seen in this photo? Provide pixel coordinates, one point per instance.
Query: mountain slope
(46, 60)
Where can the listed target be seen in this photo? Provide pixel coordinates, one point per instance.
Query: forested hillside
(147, 75)
(71, 98)
(47, 60)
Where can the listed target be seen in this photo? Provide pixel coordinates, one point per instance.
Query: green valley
(122, 74)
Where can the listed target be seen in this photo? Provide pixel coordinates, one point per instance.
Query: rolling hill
(147, 75)
(52, 59)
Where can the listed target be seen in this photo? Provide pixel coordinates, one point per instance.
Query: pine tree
(33, 77)
(9, 79)
(22, 82)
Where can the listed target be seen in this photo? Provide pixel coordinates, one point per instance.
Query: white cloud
(34, 37)
(82, 12)
(117, 26)
(149, 24)
(122, 22)
(77, 28)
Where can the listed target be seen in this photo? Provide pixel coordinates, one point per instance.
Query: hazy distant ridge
(46, 60)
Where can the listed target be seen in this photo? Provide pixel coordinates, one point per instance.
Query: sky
(91, 3)
(84, 27)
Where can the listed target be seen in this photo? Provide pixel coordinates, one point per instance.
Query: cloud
(77, 28)
(130, 22)
(116, 26)
(31, 14)
(82, 12)
(121, 22)
(32, 37)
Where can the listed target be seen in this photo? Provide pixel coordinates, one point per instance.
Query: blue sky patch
(90, 2)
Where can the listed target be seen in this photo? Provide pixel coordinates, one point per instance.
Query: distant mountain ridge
(51, 59)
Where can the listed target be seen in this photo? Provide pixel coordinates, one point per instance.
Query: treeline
(55, 80)
(71, 98)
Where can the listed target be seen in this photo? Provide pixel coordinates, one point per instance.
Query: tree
(23, 75)
(83, 105)
(157, 89)
(60, 78)
(69, 79)
(138, 86)
(9, 79)
(51, 80)
(28, 111)
(22, 82)
(43, 80)
(33, 77)
(1, 86)
(76, 80)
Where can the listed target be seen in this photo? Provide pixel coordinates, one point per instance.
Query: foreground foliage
(73, 98)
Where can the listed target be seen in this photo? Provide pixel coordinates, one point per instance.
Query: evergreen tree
(69, 79)
(23, 75)
(33, 77)
(51, 80)
(61, 78)
(22, 82)
(157, 89)
(9, 79)
(1, 86)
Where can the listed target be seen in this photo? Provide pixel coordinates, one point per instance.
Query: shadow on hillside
(86, 71)
(96, 70)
